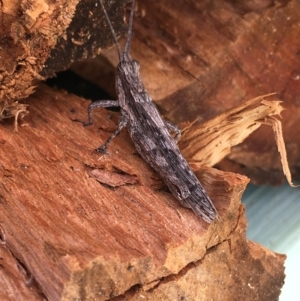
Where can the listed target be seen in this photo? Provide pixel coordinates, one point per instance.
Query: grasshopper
(150, 133)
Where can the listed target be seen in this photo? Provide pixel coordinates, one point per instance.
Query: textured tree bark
(76, 225)
(40, 38)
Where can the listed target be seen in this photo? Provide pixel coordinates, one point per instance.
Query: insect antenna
(127, 45)
(111, 29)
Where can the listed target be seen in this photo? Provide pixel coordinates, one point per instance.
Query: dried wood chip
(113, 179)
(208, 143)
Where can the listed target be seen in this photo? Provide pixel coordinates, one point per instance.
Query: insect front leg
(173, 128)
(122, 123)
(95, 105)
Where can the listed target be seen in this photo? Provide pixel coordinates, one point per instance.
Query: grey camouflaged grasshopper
(149, 132)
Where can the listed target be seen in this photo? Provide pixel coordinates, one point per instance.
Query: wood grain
(79, 239)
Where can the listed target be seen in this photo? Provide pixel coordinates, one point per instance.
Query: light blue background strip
(273, 215)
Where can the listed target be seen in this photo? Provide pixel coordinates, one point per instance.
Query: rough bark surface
(76, 225)
(39, 38)
(228, 280)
